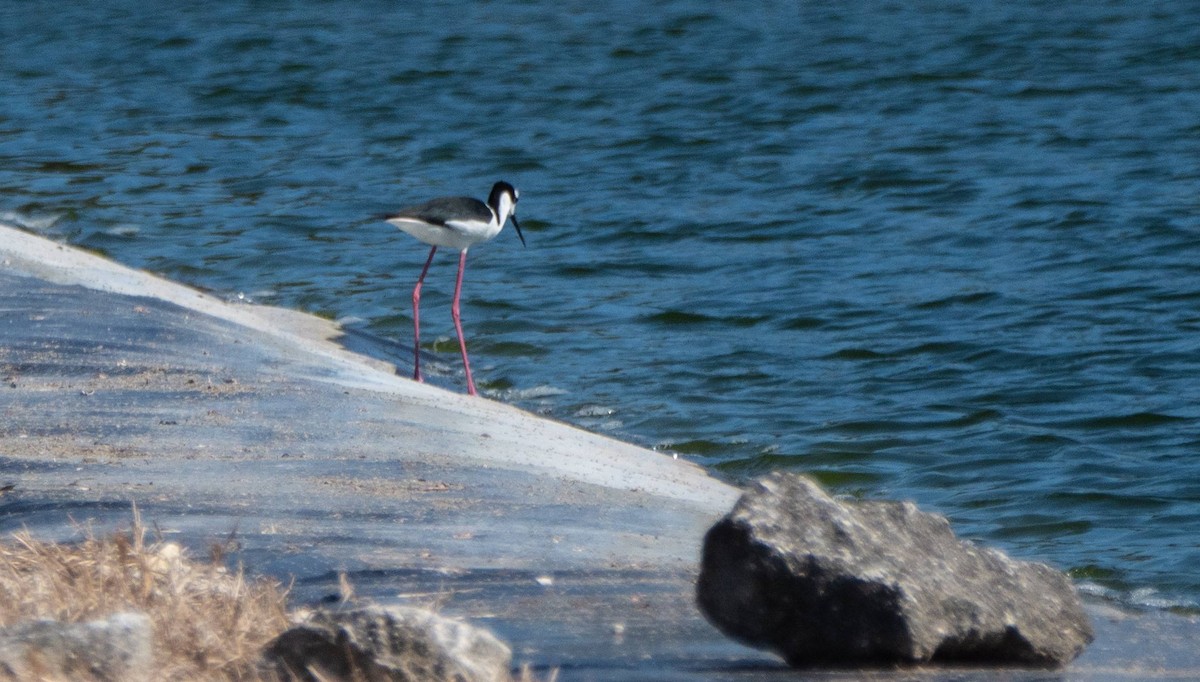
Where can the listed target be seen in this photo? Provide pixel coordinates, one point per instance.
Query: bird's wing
(444, 212)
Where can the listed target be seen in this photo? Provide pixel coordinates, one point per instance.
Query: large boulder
(823, 581)
(379, 644)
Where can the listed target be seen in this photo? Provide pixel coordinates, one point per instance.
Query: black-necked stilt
(455, 222)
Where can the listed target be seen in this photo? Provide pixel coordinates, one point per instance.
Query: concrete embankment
(248, 426)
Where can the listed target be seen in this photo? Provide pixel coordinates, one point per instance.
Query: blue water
(944, 251)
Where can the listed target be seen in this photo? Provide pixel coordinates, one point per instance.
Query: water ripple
(949, 256)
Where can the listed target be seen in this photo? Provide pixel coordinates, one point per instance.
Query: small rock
(117, 649)
(848, 583)
(377, 643)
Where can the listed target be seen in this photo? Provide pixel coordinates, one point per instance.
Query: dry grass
(209, 623)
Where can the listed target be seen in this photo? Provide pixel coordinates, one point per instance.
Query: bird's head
(503, 201)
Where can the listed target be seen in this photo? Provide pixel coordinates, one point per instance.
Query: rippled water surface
(940, 251)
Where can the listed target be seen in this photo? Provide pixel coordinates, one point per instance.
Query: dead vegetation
(209, 623)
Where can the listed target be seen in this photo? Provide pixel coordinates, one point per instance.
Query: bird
(457, 223)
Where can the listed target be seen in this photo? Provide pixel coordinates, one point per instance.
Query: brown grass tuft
(209, 623)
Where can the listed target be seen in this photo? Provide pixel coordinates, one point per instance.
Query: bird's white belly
(458, 236)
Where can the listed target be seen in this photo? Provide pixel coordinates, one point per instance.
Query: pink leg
(462, 342)
(417, 317)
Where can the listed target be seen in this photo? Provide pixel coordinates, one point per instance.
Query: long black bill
(518, 226)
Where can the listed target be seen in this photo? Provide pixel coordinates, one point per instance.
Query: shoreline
(229, 420)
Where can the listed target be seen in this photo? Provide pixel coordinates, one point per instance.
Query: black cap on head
(500, 188)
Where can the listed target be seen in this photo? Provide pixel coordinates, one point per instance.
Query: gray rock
(821, 581)
(117, 649)
(379, 643)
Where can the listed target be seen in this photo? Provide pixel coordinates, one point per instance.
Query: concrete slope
(224, 419)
